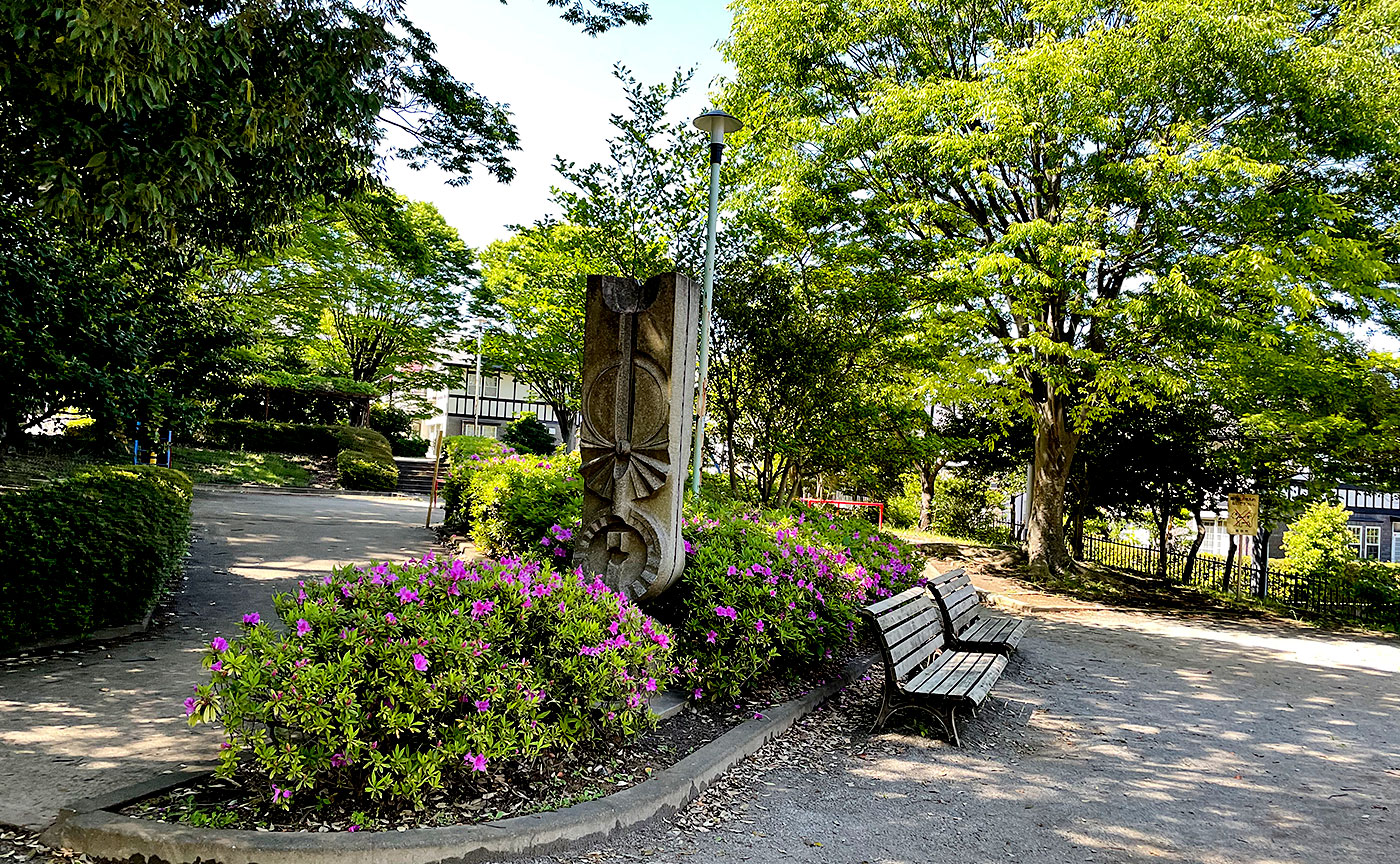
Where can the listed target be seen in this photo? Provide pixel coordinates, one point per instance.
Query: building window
(458, 404)
(1366, 541)
(1217, 539)
(490, 385)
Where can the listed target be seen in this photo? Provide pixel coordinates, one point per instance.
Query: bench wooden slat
(890, 602)
(939, 668)
(916, 658)
(963, 607)
(983, 688)
(898, 615)
(927, 626)
(995, 630)
(932, 679)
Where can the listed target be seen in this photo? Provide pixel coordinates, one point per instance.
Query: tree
(533, 285)
(646, 205)
(528, 435)
(370, 290)
(637, 215)
(211, 122)
(1092, 194)
(91, 330)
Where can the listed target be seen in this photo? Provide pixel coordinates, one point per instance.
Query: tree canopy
(1090, 197)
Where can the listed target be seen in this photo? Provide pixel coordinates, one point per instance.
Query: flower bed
(777, 589)
(392, 681)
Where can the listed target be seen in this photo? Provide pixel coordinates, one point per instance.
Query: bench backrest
(911, 632)
(958, 598)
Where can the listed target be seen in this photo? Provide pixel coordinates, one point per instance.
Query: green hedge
(365, 460)
(515, 500)
(465, 454)
(272, 437)
(88, 552)
(363, 457)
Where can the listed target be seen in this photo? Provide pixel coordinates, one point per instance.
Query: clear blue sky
(559, 85)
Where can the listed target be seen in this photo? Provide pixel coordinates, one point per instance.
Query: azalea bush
(392, 681)
(465, 455)
(515, 500)
(776, 590)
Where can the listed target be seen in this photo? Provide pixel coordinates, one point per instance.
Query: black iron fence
(1341, 597)
(1240, 577)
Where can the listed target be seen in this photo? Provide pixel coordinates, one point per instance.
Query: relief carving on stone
(638, 390)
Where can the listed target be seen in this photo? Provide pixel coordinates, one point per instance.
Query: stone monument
(638, 390)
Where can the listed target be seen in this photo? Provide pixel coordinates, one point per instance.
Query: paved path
(1114, 737)
(73, 724)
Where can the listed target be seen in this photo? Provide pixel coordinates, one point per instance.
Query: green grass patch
(240, 468)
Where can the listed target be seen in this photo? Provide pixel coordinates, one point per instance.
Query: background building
(461, 412)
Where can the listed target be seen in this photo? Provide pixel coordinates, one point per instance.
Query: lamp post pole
(718, 124)
(476, 403)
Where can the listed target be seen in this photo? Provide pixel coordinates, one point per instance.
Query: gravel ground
(1113, 737)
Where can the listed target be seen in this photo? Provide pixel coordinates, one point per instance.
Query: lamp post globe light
(718, 124)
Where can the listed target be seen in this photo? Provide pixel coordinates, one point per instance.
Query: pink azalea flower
(758, 625)
(420, 662)
(651, 685)
(219, 644)
(710, 637)
(477, 761)
(698, 693)
(483, 705)
(251, 619)
(189, 706)
(303, 627)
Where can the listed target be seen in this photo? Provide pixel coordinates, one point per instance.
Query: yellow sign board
(1244, 514)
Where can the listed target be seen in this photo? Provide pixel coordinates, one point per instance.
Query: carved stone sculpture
(638, 389)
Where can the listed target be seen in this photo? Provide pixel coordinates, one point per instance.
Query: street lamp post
(718, 124)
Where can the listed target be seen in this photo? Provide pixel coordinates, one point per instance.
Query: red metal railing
(848, 504)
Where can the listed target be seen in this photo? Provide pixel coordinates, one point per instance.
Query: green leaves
(391, 681)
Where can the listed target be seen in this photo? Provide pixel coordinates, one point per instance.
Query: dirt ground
(1113, 737)
(83, 722)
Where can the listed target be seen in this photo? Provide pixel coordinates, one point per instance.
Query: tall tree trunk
(729, 454)
(1055, 443)
(928, 483)
(1229, 565)
(1190, 567)
(1163, 526)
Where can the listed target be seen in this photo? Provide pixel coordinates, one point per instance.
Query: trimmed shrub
(967, 507)
(390, 422)
(1318, 542)
(396, 680)
(413, 447)
(465, 454)
(775, 590)
(515, 500)
(94, 550)
(528, 435)
(365, 460)
(358, 470)
(272, 437)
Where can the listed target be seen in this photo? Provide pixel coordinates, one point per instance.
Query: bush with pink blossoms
(391, 680)
(776, 590)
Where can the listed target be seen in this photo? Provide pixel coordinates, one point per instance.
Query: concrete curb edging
(90, 827)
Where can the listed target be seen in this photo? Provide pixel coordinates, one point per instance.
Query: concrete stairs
(416, 475)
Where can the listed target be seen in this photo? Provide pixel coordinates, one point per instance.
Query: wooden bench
(921, 669)
(969, 628)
